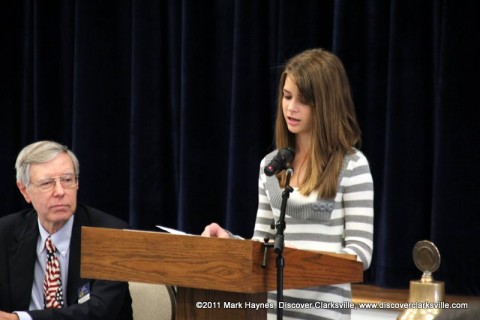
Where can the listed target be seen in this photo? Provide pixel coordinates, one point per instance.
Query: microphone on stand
(281, 161)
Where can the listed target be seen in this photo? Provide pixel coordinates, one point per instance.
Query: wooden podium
(216, 278)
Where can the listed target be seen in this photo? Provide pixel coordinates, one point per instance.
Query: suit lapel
(22, 255)
(74, 281)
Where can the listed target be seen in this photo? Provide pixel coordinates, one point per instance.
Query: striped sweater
(343, 224)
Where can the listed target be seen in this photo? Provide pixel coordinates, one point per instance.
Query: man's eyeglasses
(67, 181)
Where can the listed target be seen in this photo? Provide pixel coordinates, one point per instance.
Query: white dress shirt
(61, 240)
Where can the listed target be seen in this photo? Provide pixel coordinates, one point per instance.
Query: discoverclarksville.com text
(329, 305)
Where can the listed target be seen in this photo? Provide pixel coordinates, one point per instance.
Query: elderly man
(40, 247)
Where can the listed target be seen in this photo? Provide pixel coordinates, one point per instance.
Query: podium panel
(214, 269)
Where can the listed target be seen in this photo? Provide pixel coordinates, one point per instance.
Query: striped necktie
(52, 285)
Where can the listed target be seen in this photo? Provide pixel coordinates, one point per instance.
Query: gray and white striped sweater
(343, 224)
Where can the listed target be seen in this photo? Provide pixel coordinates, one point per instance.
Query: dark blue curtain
(169, 106)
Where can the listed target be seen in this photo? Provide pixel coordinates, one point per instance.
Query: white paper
(170, 230)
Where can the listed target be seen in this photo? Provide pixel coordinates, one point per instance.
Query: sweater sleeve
(264, 212)
(357, 188)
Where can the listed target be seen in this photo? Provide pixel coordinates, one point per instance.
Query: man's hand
(8, 316)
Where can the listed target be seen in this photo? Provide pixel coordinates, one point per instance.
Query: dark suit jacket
(18, 241)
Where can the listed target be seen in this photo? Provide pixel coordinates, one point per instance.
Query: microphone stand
(279, 243)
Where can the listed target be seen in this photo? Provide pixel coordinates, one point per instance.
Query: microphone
(280, 162)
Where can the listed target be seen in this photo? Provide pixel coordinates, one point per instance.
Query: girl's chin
(293, 129)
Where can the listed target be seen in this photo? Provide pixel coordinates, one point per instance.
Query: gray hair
(40, 152)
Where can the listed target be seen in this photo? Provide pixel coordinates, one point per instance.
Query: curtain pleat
(170, 105)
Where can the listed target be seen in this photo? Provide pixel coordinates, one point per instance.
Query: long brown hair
(323, 84)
